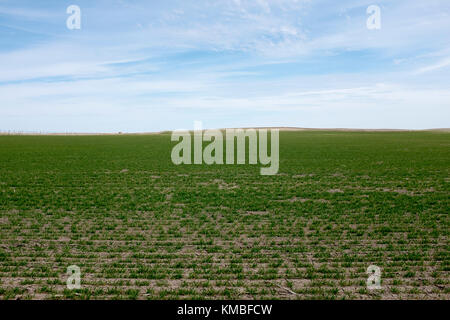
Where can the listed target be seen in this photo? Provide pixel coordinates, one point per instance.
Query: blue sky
(137, 66)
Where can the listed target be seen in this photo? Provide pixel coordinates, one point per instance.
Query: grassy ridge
(140, 227)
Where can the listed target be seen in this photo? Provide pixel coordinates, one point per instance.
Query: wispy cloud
(436, 66)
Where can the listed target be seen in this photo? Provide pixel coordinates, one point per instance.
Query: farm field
(140, 227)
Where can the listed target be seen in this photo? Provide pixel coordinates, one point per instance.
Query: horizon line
(43, 133)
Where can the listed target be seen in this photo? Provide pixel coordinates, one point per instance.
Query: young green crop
(140, 227)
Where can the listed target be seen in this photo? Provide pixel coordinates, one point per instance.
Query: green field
(140, 227)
